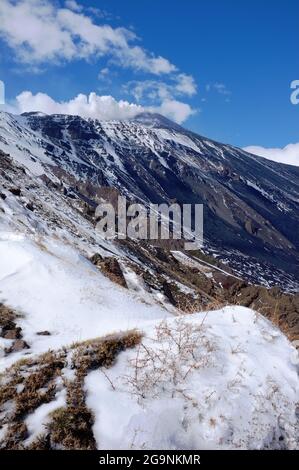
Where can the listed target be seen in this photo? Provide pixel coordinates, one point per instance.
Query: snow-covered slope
(221, 379)
(59, 291)
(233, 383)
(251, 204)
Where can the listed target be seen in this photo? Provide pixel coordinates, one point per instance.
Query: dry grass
(217, 304)
(16, 434)
(70, 427)
(102, 352)
(32, 396)
(7, 316)
(42, 442)
(37, 378)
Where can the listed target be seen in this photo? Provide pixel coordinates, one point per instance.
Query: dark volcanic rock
(251, 208)
(15, 191)
(111, 268)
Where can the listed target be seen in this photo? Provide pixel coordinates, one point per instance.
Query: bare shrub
(163, 365)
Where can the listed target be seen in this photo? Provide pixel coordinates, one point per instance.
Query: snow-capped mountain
(251, 205)
(109, 344)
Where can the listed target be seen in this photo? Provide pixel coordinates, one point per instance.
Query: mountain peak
(156, 120)
(34, 113)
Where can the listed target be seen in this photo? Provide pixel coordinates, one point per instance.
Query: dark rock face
(15, 191)
(110, 267)
(251, 205)
(251, 227)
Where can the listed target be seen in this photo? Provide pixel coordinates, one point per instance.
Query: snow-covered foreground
(58, 290)
(224, 380)
(221, 379)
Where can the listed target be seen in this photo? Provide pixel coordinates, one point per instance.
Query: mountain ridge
(249, 212)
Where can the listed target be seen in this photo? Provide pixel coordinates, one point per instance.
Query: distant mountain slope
(251, 204)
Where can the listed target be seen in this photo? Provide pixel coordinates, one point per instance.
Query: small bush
(71, 427)
(163, 366)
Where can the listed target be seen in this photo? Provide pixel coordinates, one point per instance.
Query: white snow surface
(243, 395)
(241, 392)
(36, 422)
(58, 290)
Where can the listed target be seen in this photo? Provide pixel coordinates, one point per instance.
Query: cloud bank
(288, 154)
(97, 107)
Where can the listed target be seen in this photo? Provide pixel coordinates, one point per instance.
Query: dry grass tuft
(32, 396)
(31, 382)
(37, 379)
(16, 434)
(7, 316)
(102, 352)
(71, 426)
(42, 442)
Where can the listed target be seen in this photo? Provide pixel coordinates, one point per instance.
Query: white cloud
(29, 27)
(165, 94)
(288, 154)
(186, 84)
(73, 5)
(148, 89)
(175, 110)
(40, 32)
(91, 106)
(221, 88)
(177, 85)
(105, 75)
(136, 58)
(97, 107)
(105, 71)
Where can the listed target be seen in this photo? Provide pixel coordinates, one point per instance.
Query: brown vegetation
(32, 382)
(157, 266)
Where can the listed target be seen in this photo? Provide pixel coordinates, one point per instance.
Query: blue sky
(223, 67)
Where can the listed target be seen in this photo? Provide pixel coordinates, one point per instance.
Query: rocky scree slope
(251, 208)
